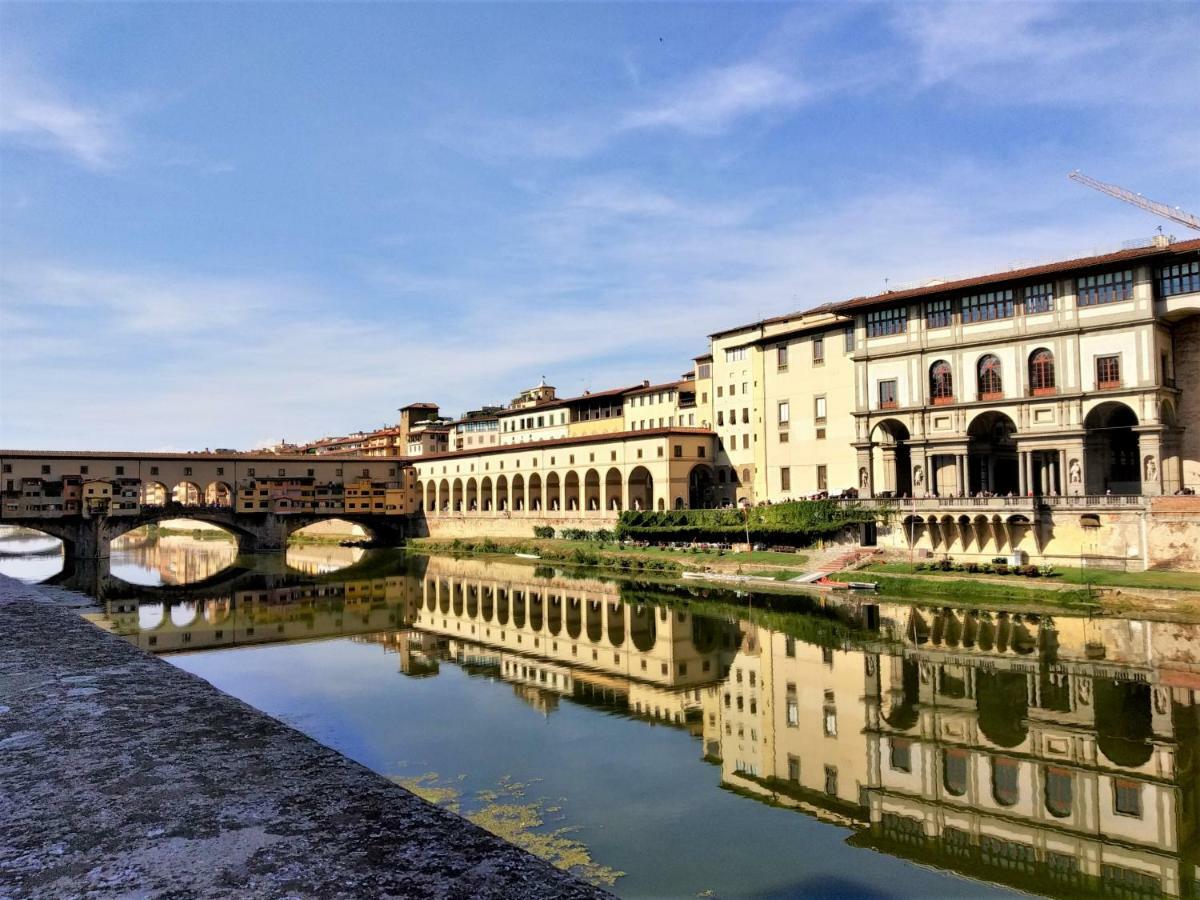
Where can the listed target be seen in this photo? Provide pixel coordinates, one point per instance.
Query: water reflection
(321, 559)
(1051, 754)
(169, 560)
(29, 555)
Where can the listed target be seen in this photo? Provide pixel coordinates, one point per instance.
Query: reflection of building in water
(320, 559)
(180, 559)
(565, 637)
(1056, 755)
(252, 614)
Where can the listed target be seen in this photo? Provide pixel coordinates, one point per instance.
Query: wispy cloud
(34, 113)
(711, 101)
(1054, 52)
(706, 103)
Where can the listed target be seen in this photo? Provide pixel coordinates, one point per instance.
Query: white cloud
(712, 100)
(36, 114)
(1056, 53)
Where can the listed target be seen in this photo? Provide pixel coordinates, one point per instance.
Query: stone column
(961, 468)
(1062, 471)
(1022, 478)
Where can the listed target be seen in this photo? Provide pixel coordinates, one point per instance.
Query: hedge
(800, 522)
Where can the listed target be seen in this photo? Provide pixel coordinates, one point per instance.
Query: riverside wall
(122, 775)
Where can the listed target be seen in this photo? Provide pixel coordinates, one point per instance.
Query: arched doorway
(1111, 450)
(641, 489)
(591, 491)
(701, 487)
(187, 493)
(218, 494)
(893, 466)
(992, 454)
(153, 493)
(612, 490)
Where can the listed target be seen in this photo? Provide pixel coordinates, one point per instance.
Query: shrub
(544, 532)
(1002, 569)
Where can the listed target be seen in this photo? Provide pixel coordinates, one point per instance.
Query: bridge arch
(153, 493)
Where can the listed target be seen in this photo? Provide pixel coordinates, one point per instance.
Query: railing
(1073, 501)
(1026, 504)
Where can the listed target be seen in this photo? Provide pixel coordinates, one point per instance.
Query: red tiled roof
(651, 388)
(1084, 262)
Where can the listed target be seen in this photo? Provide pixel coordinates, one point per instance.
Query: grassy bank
(778, 565)
(1178, 581)
(960, 590)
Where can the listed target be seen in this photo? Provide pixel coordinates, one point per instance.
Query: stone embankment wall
(1166, 535)
(121, 775)
(475, 525)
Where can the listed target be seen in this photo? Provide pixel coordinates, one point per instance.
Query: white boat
(527, 555)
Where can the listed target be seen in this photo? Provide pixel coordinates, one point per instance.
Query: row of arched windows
(988, 380)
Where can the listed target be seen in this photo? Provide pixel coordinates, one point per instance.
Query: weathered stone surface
(121, 775)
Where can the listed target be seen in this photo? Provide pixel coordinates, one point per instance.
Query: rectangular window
(678, 451)
(83, 470)
(720, 418)
(849, 339)
(1127, 797)
(735, 354)
(704, 371)
(785, 412)
(883, 322)
(785, 479)
(793, 769)
(818, 349)
(901, 754)
(819, 408)
(887, 394)
(783, 437)
(121, 470)
(1108, 287)
(1181, 279)
(745, 415)
(250, 471)
(781, 357)
(793, 707)
(1108, 372)
(1039, 298)
(988, 306)
(831, 786)
(822, 480)
(938, 313)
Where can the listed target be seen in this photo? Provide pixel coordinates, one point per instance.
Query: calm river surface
(672, 741)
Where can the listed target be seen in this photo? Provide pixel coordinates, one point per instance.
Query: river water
(677, 741)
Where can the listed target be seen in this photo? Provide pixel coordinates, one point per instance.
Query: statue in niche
(863, 480)
(918, 475)
(1076, 472)
(1151, 468)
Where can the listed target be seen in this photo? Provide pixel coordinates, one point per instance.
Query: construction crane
(1174, 213)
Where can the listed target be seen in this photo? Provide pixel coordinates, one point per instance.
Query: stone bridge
(91, 537)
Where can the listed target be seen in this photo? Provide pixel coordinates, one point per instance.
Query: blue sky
(224, 224)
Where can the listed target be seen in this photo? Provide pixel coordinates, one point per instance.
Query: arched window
(1005, 786)
(1058, 792)
(941, 382)
(1041, 372)
(990, 386)
(954, 771)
